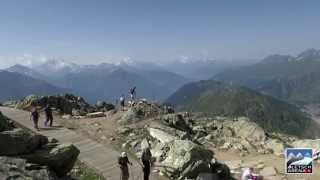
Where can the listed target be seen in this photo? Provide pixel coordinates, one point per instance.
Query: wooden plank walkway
(97, 156)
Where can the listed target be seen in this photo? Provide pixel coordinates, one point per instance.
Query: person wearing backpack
(123, 162)
(35, 117)
(146, 162)
(49, 116)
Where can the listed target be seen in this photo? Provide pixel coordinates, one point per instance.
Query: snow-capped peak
(309, 54)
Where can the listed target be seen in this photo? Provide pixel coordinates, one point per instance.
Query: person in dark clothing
(122, 101)
(35, 117)
(132, 93)
(123, 162)
(49, 116)
(146, 161)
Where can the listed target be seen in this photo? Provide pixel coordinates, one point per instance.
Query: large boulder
(178, 134)
(14, 168)
(248, 130)
(185, 154)
(161, 135)
(60, 158)
(4, 123)
(19, 141)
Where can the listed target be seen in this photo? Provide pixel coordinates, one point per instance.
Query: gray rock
(95, 115)
(172, 131)
(4, 123)
(184, 153)
(160, 135)
(19, 141)
(129, 117)
(248, 130)
(16, 169)
(124, 130)
(176, 121)
(60, 158)
(65, 104)
(66, 116)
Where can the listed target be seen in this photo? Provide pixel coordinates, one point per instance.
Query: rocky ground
(184, 144)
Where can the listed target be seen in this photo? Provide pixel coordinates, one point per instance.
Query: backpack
(146, 155)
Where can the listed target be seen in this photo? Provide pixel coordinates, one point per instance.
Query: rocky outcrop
(19, 141)
(65, 104)
(246, 129)
(309, 143)
(15, 168)
(176, 121)
(181, 159)
(141, 110)
(37, 149)
(60, 158)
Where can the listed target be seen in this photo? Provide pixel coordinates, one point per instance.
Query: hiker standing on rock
(123, 162)
(35, 117)
(122, 100)
(49, 116)
(132, 93)
(146, 161)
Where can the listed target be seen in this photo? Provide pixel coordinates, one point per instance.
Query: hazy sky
(91, 31)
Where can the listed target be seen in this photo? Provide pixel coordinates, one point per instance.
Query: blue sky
(91, 31)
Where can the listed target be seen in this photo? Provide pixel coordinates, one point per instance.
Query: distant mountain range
(203, 69)
(294, 79)
(216, 98)
(15, 86)
(105, 81)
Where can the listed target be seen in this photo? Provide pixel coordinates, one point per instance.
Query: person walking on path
(49, 116)
(35, 117)
(123, 162)
(146, 162)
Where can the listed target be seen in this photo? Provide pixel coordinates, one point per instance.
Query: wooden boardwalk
(97, 156)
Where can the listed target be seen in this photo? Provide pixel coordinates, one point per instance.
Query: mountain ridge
(217, 98)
